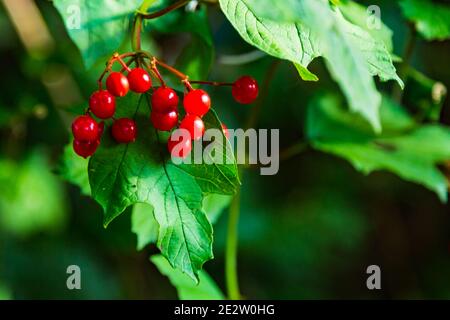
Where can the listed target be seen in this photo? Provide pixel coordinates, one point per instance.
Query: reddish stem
(164, 11)
(179, 74)
(124, 65)
(109, 64)
(211, 83)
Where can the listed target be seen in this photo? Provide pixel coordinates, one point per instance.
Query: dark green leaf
(432, 20)
(144, 225)
(409, 151)
(99, 27)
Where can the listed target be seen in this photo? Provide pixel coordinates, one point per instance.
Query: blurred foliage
(432, 20)
(308, 232)
(409, 151)
(187, 290)
(31, 198)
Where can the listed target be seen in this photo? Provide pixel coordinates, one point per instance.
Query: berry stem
(124, 65)
(100, 79)
(184, 78)
(179, 74)
(116, 57)
(187, 84)
(211, 83)
(155, 72)
(128, 64)
(164, 11)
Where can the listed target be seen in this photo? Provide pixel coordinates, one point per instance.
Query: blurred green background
(307, 233)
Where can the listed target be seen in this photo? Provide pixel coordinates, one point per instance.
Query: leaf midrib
(176, 201)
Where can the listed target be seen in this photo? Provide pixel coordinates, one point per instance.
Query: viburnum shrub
(146, 113)
(164, 115)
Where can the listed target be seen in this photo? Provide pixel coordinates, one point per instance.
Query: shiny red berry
(197, 102)
(139, 80)
(85, 128)
(85, 148)
(184, 146)
(245, 90)
(225, 131)
(102, 104)
(194, 124)
(124, 130)
(164, 121)
(117, 84)
(164, 100)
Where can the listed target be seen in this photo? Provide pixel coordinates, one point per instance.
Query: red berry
(164, 121)
(85, 148)
(245, 90)
(225, 131)
(194, 125)
(85, 128)
(117, 84)
(164, 100)
(102, 104)
(184, 146)
(139, 80)
(197, 102)
(124, 130)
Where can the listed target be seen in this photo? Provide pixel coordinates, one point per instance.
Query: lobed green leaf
(405, 149)
(300, 31)
(121, 175)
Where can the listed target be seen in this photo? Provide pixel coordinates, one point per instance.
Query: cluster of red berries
(102, 103)
(87, 131)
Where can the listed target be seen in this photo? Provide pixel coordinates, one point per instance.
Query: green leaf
(144, 225)
(32, 199)
(432, 20)
(207, 289)
(358, 15)
(214, 205)
(289, 41)
(309, 29)
(404, 149)
(121, 175)
(74, 169)
(221, 177)
(99, 27)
